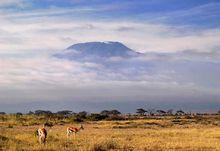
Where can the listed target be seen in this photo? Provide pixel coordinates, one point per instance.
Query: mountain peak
(100, 45)
(93, 51)
(102, 49)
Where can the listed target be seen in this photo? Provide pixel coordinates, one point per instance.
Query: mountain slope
(91, 50)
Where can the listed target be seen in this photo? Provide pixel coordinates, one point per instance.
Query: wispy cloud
(19, 34)
(201, 16)
(8, 4)
(62, 26)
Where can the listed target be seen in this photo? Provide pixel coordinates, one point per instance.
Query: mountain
(94, 50)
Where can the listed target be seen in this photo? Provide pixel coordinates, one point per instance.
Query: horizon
(94, 108)
(169, 55)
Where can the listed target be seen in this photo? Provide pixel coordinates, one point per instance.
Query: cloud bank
(181, 61)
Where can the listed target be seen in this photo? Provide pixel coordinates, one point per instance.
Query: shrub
(2, 113)
(82, 114)
(77, 119)
(115, 118)
(104, 146)
(3, 138)
(97, 117)
(49, 124)
(10, 126)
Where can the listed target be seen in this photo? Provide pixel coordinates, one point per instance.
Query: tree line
(107, 113)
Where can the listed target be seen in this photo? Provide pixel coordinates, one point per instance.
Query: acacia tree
(104, 112)
(151, 111)
(2, 113)
(111, 112)
(115, 112)
(141, 111)
(64, 112)
(42, 112)
(180, 112)
(82, 114)
(161, 112)
(170, 112)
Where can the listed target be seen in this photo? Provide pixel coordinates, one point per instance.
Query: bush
(10, 126)
(109, 113)
(3, 118)
(42, 112)
(115, 118)
(82, 114)
(48, 124)
(77, 119)
(104, 146)
(2, 113)
(3, 138)
(97, 117)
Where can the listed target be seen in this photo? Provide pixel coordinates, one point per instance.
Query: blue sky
(188, 32)
(155, 19)
(203, 13)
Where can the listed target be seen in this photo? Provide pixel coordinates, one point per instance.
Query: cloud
(13, 3)
(195, 15)
(50, 34)
(44, 78)
(59, 27)
(180, 61)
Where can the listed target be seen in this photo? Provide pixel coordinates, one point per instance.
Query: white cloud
(60, 31)
(29, 73)
(17, 3)
(45, 78)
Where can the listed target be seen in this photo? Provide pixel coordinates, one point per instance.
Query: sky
(184, 74)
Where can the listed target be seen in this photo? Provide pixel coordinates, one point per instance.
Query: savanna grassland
(170, 133)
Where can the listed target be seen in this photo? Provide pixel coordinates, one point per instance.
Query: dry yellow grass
(138, 135)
